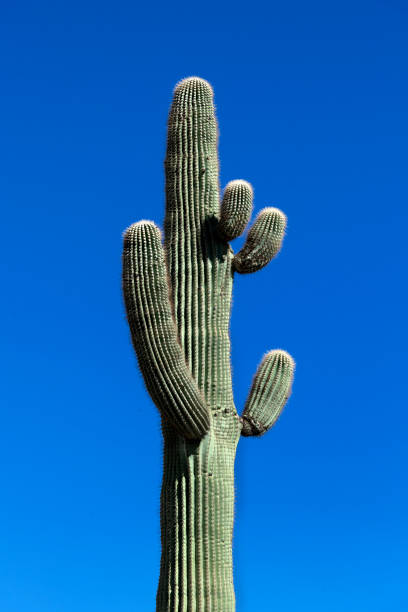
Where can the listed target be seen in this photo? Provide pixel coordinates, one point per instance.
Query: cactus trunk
(197, 502)
(197, 509)
(178, 300)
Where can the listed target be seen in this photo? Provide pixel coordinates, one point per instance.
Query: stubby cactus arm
(272, 383)
(154, 335)
(270, 390)
(236, 209)
(263, 242)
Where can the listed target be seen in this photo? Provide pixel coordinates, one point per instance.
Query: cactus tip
(140, 225)
(284, 357)
(241, 183)
(271, 210)
(195, 87)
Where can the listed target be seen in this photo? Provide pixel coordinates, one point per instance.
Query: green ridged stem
(178, 302)
(270, 390)
(263, 242)
(236, 209)
(154, 333)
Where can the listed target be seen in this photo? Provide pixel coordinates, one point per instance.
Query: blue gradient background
(312, 105)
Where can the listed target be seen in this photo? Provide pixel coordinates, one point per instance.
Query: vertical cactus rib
(178, 301)
(236, 209)
(263, 242)
(270, 390)
(154, 333)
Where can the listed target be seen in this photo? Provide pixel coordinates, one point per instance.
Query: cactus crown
(178, 298)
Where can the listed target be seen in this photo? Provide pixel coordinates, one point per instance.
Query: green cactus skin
(236, 209)
(178, 300)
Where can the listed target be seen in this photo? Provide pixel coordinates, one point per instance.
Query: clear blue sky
(312, 105)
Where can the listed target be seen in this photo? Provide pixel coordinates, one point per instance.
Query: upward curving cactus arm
(154, 333)
(270, 390)
(263, 242)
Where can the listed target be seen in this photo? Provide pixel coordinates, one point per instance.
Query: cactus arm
(270, 389)
(263, 242)
(154, 334)
(236, 209)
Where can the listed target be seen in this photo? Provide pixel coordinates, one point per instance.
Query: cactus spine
(178, 300)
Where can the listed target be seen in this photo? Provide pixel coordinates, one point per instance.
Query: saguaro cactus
(178, 300)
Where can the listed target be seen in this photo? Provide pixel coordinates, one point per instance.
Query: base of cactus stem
(197, 515)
